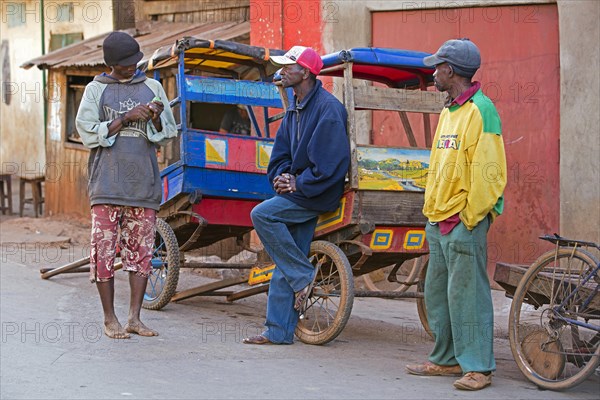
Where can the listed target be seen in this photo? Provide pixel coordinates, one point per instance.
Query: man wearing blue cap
(121, 119)
(464, 194)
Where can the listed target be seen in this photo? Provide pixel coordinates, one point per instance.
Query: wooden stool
(37, 198)
(6, 195)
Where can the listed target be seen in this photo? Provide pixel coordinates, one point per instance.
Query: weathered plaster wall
(21, 121)
(580, 119)
(22, 143)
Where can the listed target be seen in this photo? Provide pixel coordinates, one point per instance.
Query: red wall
(282, 24)
(520, 73)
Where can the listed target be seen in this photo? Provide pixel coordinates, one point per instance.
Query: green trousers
(459, 299)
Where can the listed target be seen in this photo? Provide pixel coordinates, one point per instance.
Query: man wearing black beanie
(122, 119)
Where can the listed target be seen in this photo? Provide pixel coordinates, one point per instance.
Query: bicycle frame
(558, 310)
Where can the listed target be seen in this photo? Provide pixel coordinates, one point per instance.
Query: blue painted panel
(230, 91)
(238, 185)
(175, 182)
(195, 150)
(170, 168)
(180, 77)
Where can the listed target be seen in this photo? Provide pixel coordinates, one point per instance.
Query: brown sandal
(302, 296)
(299, 297)
(258, 339)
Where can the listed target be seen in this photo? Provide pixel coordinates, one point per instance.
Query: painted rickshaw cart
(209, 192)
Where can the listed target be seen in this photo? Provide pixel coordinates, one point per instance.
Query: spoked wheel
(407, 274)
(162, 282)
(421, 309)
(554, 331)
(330, 303)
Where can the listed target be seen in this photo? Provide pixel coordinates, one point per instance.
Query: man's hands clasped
(146, 112)
(284, 183)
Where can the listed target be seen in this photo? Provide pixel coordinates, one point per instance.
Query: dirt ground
(67, 230)
(52, 343)
(205, 333)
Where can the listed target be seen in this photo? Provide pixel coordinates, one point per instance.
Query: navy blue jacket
(312, 143)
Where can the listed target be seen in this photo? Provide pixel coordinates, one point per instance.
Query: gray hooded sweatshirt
(123, 169)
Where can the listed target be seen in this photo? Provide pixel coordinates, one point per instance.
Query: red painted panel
(520, 73)
(225, 212)
(242, 154)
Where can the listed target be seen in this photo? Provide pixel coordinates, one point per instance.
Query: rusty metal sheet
(150, 34)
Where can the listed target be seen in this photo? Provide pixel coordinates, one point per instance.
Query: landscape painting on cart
(392, 168)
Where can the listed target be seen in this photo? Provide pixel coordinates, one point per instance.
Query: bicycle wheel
(553, 329)
(162, 282)
(377, 280)
(330, 303)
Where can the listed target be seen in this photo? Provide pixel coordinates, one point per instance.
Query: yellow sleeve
(488, 178)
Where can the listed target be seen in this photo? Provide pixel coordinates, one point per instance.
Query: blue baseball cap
(462, 54)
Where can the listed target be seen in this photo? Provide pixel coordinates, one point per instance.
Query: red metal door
(520, 73)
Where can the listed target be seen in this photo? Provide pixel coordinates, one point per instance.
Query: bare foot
(140, 329)
(114, 330)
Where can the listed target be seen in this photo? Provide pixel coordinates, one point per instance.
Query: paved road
(53, 348)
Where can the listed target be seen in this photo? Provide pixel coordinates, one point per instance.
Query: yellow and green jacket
(467, 169)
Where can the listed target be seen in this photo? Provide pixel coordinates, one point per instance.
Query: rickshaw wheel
(162, 282)
(421, 309)
(330, 303)
(408, 272)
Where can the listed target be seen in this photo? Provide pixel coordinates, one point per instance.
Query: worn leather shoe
(258, 339)
(473, 381)
(431, 369)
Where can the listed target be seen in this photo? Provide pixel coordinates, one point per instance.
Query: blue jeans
(286, 230)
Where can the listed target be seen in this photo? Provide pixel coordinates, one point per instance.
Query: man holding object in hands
(122, 117)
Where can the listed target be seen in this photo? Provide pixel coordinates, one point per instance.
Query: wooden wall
(197, 11)
(66, 163)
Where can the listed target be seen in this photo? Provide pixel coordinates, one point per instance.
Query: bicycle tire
(162, 282)
(550, 351)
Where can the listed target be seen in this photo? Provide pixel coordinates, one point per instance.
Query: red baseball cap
(305, 56)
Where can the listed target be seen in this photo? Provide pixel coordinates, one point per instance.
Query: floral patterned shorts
(136, 240)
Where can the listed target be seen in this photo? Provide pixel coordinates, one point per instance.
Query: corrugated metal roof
(220, 57)
(150, 35)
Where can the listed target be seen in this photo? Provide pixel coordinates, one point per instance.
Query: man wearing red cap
(308, 165)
